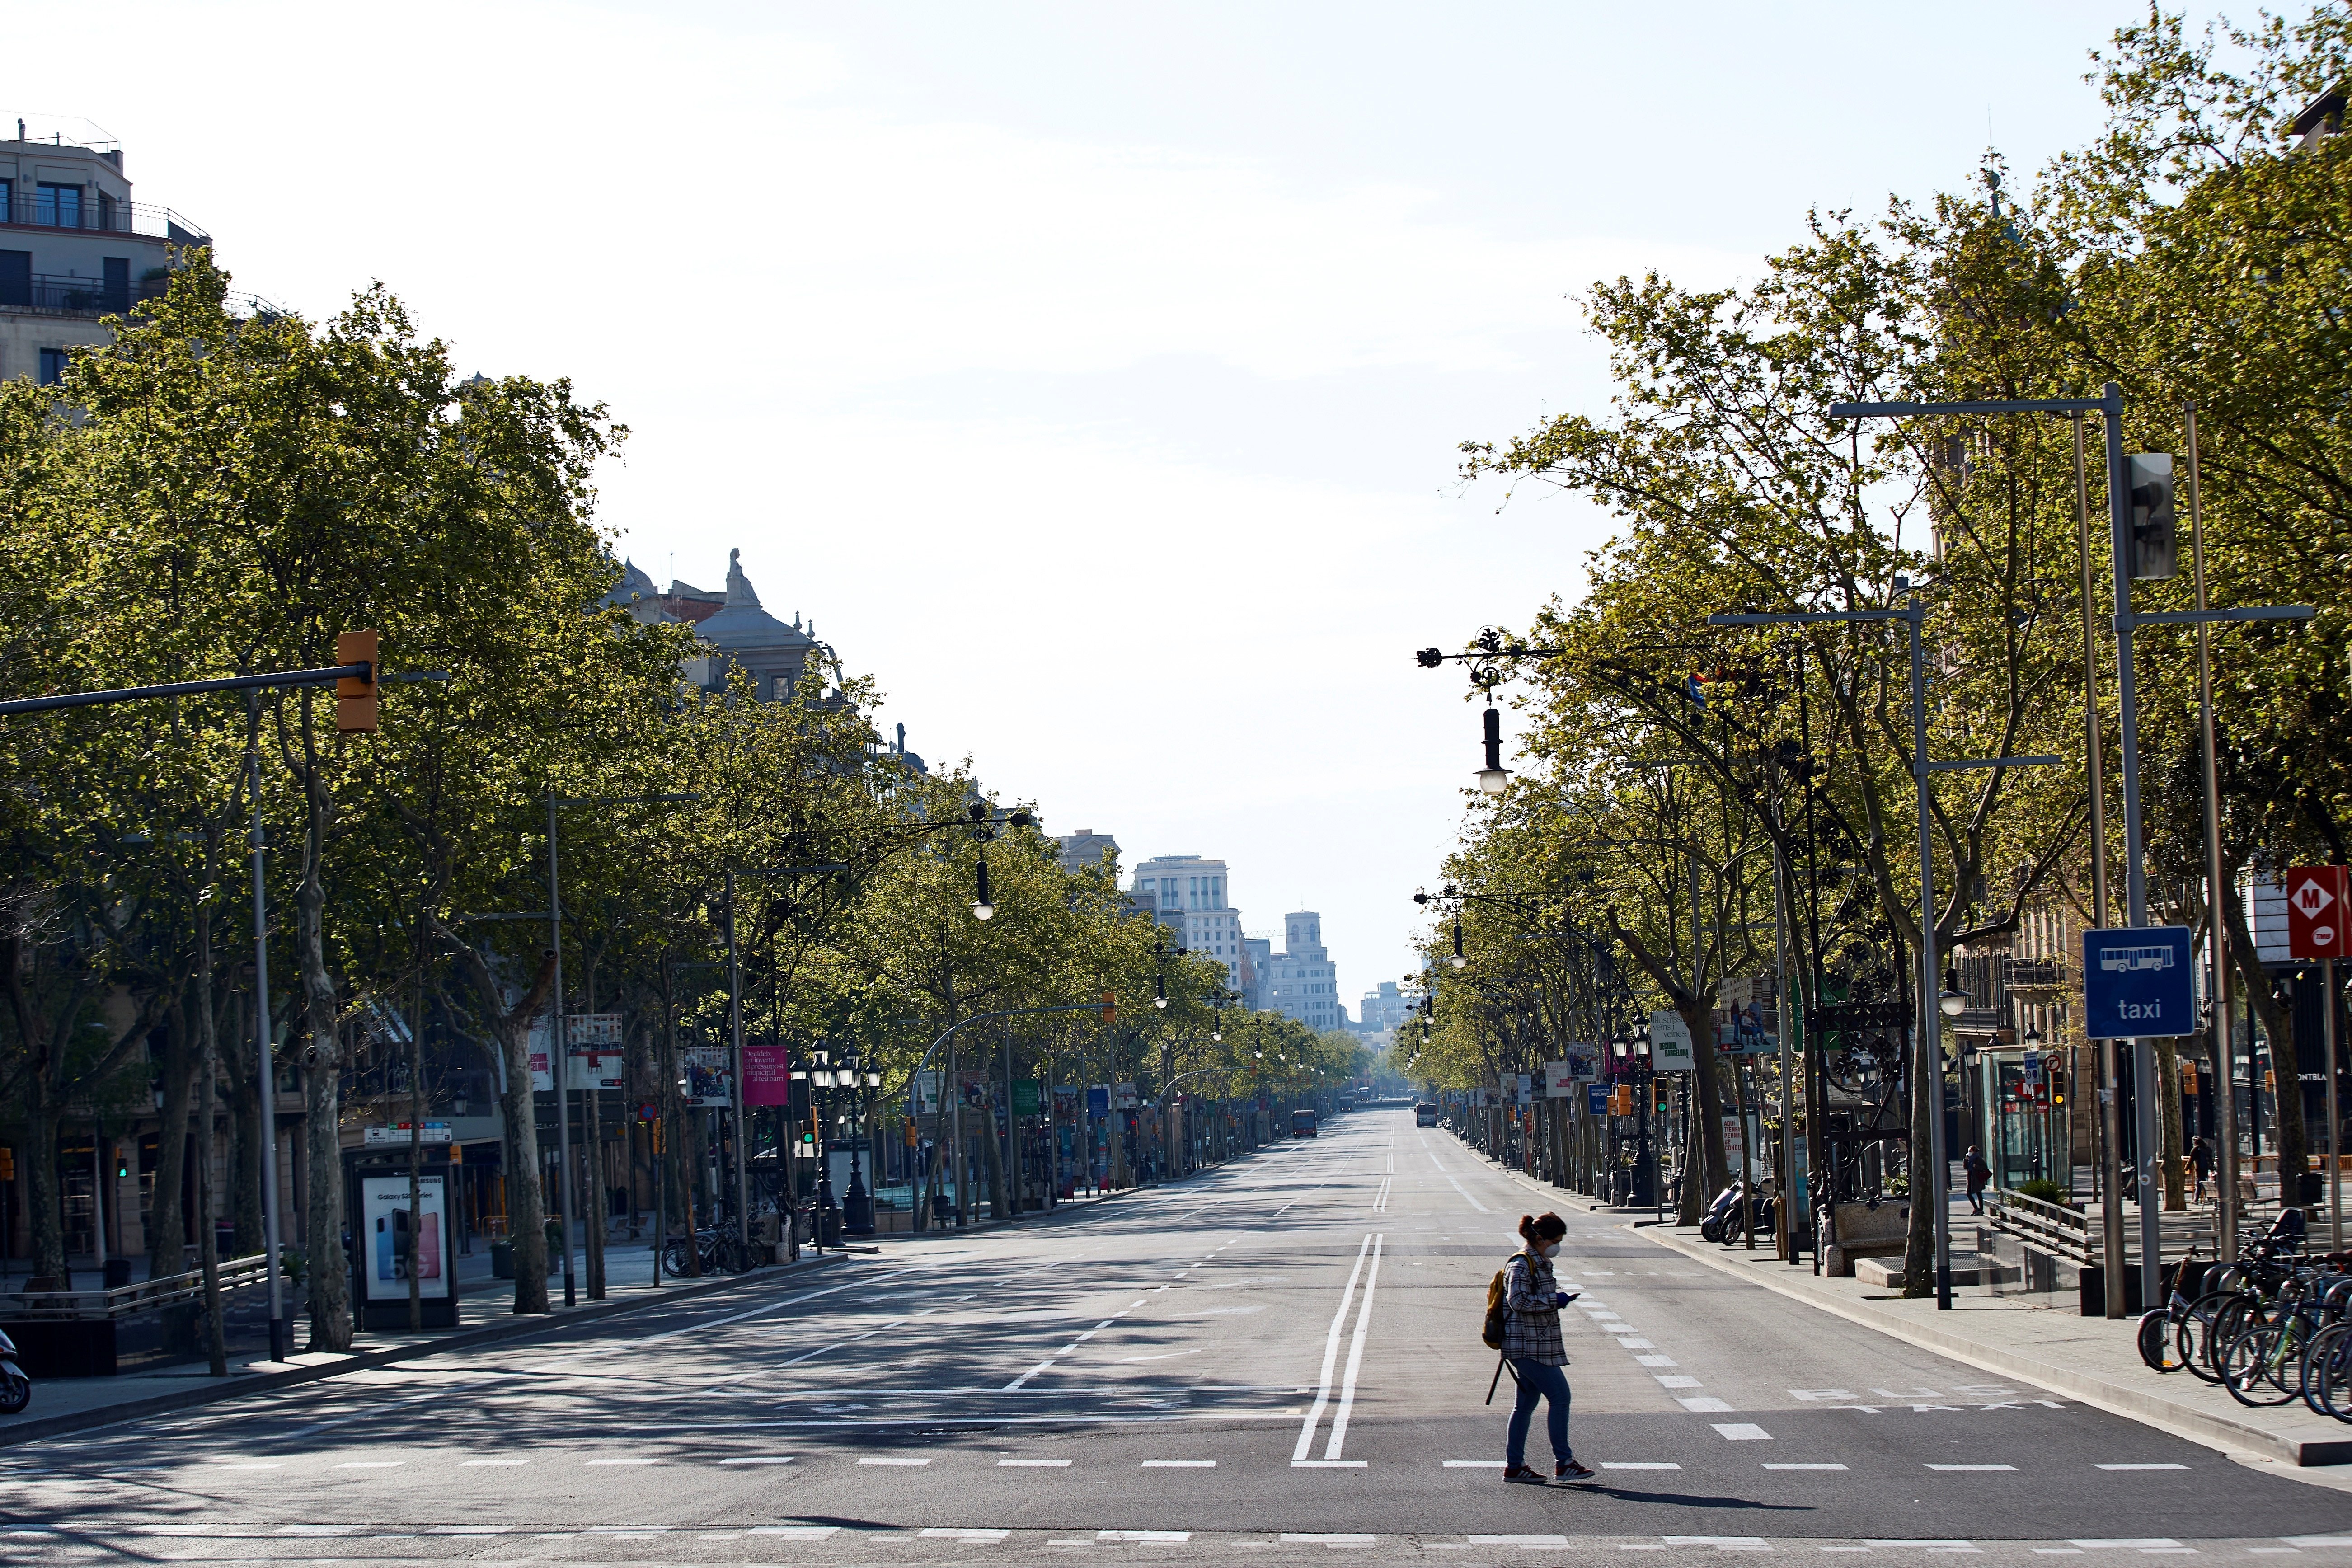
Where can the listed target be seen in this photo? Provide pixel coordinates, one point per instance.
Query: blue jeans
(1549, 1383)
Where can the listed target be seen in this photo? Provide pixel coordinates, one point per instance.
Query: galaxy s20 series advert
(401, 1236)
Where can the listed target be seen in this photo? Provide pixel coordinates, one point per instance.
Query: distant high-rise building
(1302, 981)
(1187, 894)
(1382, 1012)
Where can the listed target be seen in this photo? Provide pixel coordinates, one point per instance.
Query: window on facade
(15, 277)
(57, 204)
(53, 366)
(7, 207)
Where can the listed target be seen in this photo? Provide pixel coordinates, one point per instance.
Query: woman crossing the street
(1532, 1344)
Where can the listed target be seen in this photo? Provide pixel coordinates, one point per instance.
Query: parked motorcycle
(15, 1388)
(1720, 1213)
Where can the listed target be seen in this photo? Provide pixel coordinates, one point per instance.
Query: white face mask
(1549, 1249)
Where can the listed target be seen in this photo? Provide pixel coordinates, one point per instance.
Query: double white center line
(1370, 1249)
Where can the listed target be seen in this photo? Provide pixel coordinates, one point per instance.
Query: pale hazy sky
(1091, 375)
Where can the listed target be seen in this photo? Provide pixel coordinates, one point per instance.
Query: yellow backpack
(1496, 1311)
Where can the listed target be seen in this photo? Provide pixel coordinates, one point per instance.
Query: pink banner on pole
(767, 1075)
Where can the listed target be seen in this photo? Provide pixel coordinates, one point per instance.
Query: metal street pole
(559, 1064)
(2225, 1070)
(2108, 1107)
(262, 1042)
(735, 1034)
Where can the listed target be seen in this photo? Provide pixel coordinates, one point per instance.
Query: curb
(233, 1387)
(2117, 1399)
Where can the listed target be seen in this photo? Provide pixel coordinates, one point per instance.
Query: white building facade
(1302, 981)
(1188, 894)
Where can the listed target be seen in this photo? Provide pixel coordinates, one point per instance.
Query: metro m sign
(2318, 925)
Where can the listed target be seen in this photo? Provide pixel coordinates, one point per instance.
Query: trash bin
(503, 1260)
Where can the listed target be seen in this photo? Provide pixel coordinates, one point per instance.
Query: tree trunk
(328, 1285)
(593, 1212)
(42, 1195)
(167, 1235)
(245, 1138)
(1705, 1165)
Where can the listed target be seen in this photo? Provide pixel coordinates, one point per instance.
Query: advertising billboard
(394, 1238)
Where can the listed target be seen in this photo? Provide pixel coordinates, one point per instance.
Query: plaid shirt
(1531, 1326)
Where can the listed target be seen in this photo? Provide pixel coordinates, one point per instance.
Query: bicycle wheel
(2191, 1331)
(2327, 1372)
(2249, 1368)
(2158, 1343)
(2240, 1313)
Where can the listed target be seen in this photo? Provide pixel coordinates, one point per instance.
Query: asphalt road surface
(1275, 1361)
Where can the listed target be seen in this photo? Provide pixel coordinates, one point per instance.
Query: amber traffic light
(355, 694)
(1110, 1006)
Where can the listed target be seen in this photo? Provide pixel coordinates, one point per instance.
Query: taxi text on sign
(2137, 983)
(2317, 924)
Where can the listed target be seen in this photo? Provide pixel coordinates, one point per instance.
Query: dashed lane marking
(1032, 1464)
(759, 1460)
(2142, 1467)
(1804, 1467)
(893, 1461)
(939, 1533)
(1143, 1535)
(1749, 1432)
(1704, 1404)
(1969, 1467)
(1178, 1465)
(1639, 1465)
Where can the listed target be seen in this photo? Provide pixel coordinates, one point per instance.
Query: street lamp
(1458, 961)
(1952, 1003)
(1494, 778)
(981, 909)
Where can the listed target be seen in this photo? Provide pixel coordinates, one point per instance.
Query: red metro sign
(2318, 917)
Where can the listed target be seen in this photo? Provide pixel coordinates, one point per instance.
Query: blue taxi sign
(2137, 983)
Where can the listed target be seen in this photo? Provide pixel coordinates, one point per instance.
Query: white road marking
(625, 1461)
(472, 1463)
(794, 1532)
(1473, 1464)
(761, 1459)
(1704, 1404)
(1677, 1380)
(220, 1465)
(1804, 1467)
(1751, 1542)
(939, 1533)
(2134, 1544)
(395, 1463)
(894, 1461)
(1639, 1465)
(2142, 1467)
(1749, 1432)
(1331, 1354)
(1965, 1467)
(1143, 1535)
(1178, 1465)
(1293, 1538)
(1032, 1464)
(1656, 1360)
(1518, 1540)
(1355, 1355)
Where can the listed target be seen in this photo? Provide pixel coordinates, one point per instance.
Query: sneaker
(1523, 1473)
(1572, 1470)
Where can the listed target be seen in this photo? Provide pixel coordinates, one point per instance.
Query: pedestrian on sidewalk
(1531, 1343)
(2200, 1163)
(1972, 1164)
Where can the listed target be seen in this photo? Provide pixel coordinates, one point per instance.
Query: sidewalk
(484, 1317)
(2093, 1360)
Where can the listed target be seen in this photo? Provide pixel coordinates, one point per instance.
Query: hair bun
(1528, 1226)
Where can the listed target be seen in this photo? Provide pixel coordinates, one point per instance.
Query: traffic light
(1110, 1006)
(2155, 543)
(1660, 1090)
(355, 694)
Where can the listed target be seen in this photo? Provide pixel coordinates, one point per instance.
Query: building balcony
(100, 214)
(76, 296)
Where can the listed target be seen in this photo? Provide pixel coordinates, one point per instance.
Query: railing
(2038, 974)
(25, 209)
(146, 1296)
(78, 296)
(2054, 1228)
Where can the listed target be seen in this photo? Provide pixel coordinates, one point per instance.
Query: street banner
(710, 1083)
(1526, 1085)
(927, 1092)
(1559, 1080)
(1583, 1059)
(1596, 1098)
(593, 1067)
(1098, 1100)
(1026, 1099)
(600, 1030)
(1670, 1043)
(767, 1075)
(2137, 983)
(2317, 924)
(1735, 1148)
(1126, 1101)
